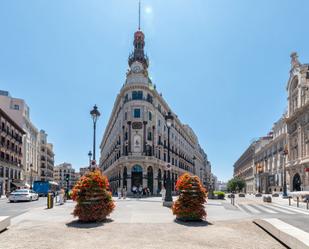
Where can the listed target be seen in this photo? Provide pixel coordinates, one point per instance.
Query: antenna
(139, 15)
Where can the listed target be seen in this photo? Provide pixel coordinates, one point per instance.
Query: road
(15, 209)
(254, 207)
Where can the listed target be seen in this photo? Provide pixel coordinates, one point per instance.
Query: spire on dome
(139, 15)
(139, 43)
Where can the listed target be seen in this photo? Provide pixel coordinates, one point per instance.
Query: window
(16, 107)
(137, 113)
(149, 136)
(159, 122)
(149, 98)
(125, 116)
(150, 116)
(137, 95)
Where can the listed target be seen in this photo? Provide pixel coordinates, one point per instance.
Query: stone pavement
(134, 224)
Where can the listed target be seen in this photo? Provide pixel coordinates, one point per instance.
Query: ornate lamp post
(168, 201)
(89, 155)
(284, 153)
(95, 115)
(31, 176)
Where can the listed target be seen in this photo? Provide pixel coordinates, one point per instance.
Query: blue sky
(222, 65)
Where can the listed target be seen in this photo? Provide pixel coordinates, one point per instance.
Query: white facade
(298, 125)
(134, 148)
(46, 169)
(18, 110)
(61, 172)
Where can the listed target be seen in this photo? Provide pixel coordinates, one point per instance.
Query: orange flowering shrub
(94, 200)
(190, 204)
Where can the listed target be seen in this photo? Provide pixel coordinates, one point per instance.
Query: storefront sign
(306, 169)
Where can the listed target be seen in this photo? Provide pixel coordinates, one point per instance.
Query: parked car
(23, 195)
(275, 195)
(258, 195)
(241, 195)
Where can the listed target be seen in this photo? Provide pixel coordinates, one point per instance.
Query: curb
(289, 235)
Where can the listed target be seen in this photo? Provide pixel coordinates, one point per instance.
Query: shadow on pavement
(201, 223)
(80, 224)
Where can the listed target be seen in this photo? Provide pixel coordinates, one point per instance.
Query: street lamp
(31, 179)
(284, 153)
(168, 201)
(89, 155)
(95, 115)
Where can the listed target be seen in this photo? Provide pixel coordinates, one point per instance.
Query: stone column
(155, 180)
(144, 139)
(153, 140)
(129, 124)
(123, 140)
(129, 187)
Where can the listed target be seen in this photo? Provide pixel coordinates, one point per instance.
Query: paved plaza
(135, 223)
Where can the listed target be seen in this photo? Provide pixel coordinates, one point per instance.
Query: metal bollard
(289, 200)
(307, 203)
(50, 201)
(297, 201)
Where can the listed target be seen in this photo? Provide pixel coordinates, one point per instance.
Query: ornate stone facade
(298, 125)
(11, 135)
(134, 148)
(270, 158)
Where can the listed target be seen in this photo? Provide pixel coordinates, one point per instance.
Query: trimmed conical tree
(190, 204)
(94, 200)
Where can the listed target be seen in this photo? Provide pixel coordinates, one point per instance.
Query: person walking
(140, 191)
(163, 192)
(61, 196)
(134, 190)
(124, 190)
(119, 192)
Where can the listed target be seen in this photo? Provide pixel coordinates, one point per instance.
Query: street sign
(306, 169)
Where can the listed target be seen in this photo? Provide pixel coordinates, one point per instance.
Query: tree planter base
(188, 219)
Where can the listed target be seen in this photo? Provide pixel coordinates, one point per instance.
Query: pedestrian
(140, 191)
(61, 197)
(134, 190)
(119, 193)
(124, 190)
(163, 192)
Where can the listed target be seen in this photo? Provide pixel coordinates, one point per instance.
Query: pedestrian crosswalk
(258, 209)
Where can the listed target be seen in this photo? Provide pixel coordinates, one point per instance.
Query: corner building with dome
(134, 147)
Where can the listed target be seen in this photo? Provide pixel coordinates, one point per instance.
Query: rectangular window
(125, 116)
(159, 122)
(16, 107)
(149, 136)
(149, 98)
(150, 116)
(137, 95)
(137, 113)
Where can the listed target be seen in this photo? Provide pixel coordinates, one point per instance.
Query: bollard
(307, 203)
(289, 200)
(297, 201)
(50, 201)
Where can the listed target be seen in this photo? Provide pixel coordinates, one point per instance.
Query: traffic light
(67, 177)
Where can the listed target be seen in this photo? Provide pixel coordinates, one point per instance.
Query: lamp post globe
(95, 115)
(168, 201)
